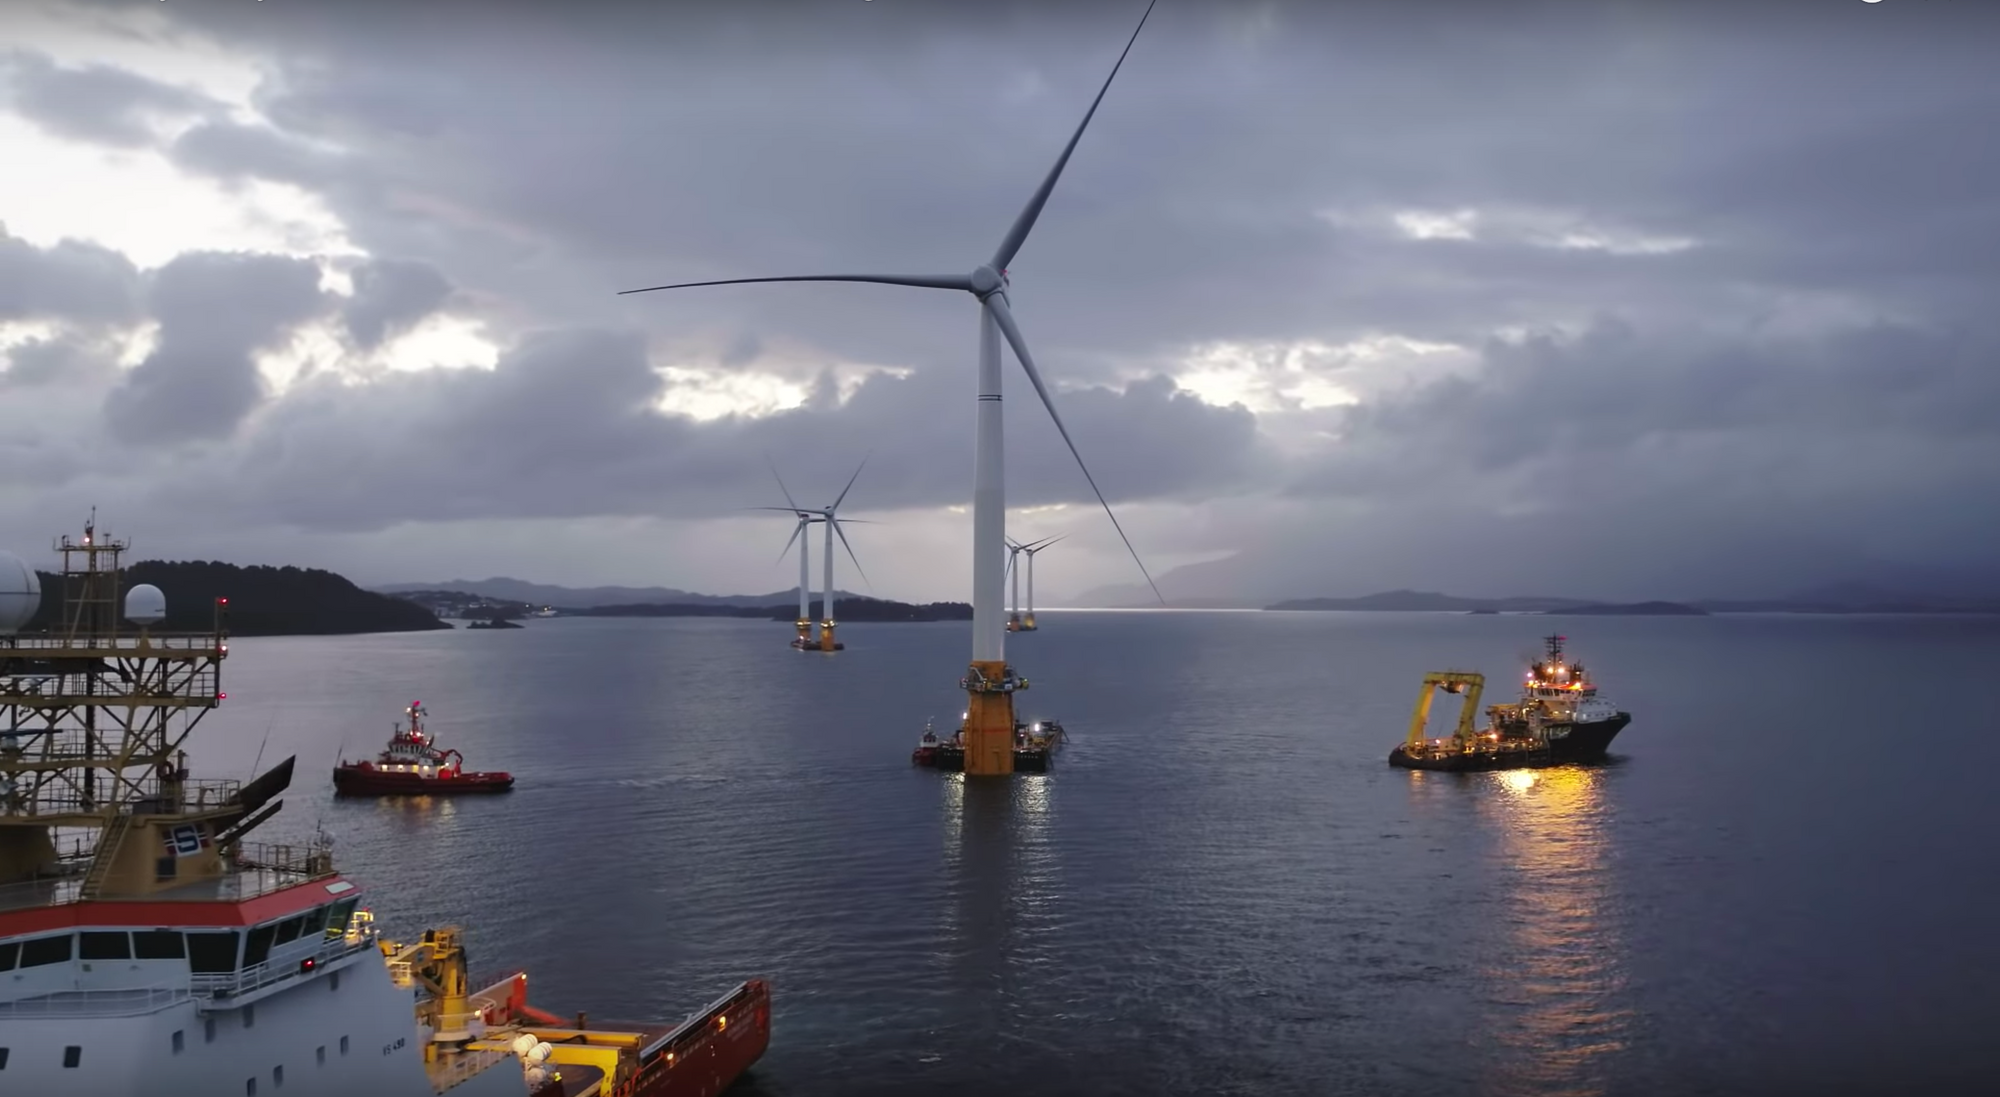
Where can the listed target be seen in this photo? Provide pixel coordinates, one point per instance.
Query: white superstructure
(146, 950)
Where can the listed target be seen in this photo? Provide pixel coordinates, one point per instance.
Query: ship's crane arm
(1468, 683)
(436, 963)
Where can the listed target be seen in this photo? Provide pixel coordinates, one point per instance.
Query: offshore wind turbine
(833, 524)
(988, 731)
(1015, 622)
(1028, 622)
(804, 640)
(807, 516)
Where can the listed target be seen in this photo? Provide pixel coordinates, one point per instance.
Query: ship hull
(1567, 743)
(353, 781)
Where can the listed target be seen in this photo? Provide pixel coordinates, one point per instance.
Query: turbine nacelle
(986, 281)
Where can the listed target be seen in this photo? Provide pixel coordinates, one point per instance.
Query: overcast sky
(1601, 298)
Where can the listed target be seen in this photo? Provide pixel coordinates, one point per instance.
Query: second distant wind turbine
(988, 733)
(828, 516)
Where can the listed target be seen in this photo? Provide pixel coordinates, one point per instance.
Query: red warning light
(222, 601)
(222, 697)
(306, 965)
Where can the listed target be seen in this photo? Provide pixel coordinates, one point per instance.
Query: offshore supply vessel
(413, 765)
(1559, 718)
(1035, 745)
(147, 948)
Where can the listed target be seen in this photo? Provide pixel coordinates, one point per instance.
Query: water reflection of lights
(1001, 869)
(1561, 978)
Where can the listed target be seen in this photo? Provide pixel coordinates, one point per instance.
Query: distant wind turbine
(988, 732)
(807, 516)
(1015, 622)
(804, 639)
(1028, 622)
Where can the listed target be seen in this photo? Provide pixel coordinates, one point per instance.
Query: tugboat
(147, 947)
(414, 765)
(1035, 745)
(1559, 718)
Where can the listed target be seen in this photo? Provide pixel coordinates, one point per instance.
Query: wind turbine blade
(781, 482)
(1023, 224)
(850, 554)
(921, 281)
(796, 530)
(1040, 545)
(850, 481)
(787, 510)
(998, 303)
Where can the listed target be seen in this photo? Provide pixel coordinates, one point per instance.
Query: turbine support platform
(804, 641)
(826, 640)
(990, 742)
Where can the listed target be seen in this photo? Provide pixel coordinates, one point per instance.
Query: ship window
(8, 952)
(288, 930)
(343, 1045)
(339, 915)
(180, 1041)
(250, 1087)
(277, 1076)
(3, 1058)
(105, 946)
(212, 953)
(208, 1030)
(320, 1054)
(333, 981)
(257, 947)
(157, 944)
(249, 1016)
(45, 950)
(72, 1055)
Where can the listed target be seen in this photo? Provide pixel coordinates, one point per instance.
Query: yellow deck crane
(1464, 682)
(436, 963)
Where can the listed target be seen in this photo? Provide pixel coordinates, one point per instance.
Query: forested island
(263, 600)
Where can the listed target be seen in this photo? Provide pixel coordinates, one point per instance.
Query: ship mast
(94, 797)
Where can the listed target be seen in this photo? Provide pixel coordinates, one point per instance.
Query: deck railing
(96, 1003)
(216, 986)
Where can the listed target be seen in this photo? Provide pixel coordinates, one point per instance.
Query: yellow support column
(988, 733)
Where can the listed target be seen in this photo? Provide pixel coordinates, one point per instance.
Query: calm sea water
(1785, 878)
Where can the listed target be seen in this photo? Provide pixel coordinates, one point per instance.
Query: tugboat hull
(355, 781)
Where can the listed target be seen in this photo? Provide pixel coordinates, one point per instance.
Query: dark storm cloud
(690, 141)
(390, 296)
(1807, 374)
(66, 357)
(70, 281)
(215, 311)
(93, 103)
(563, 428)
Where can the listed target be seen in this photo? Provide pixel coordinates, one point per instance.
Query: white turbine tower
(988, 733)
(804, 639)
(1016, 622)
(1028, 621)
(833, 524)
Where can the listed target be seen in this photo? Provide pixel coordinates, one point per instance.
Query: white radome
(145, 604)
(20, 593)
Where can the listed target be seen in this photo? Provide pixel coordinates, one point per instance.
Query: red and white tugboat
(413, 765)
(147, 948)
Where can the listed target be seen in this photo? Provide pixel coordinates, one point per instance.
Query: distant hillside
(1411, 601)
(855, 609)
(1846, 599)
(263, 600)
(501, 589)
(1632, 609)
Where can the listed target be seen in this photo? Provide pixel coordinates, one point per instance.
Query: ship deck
(264, 870)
